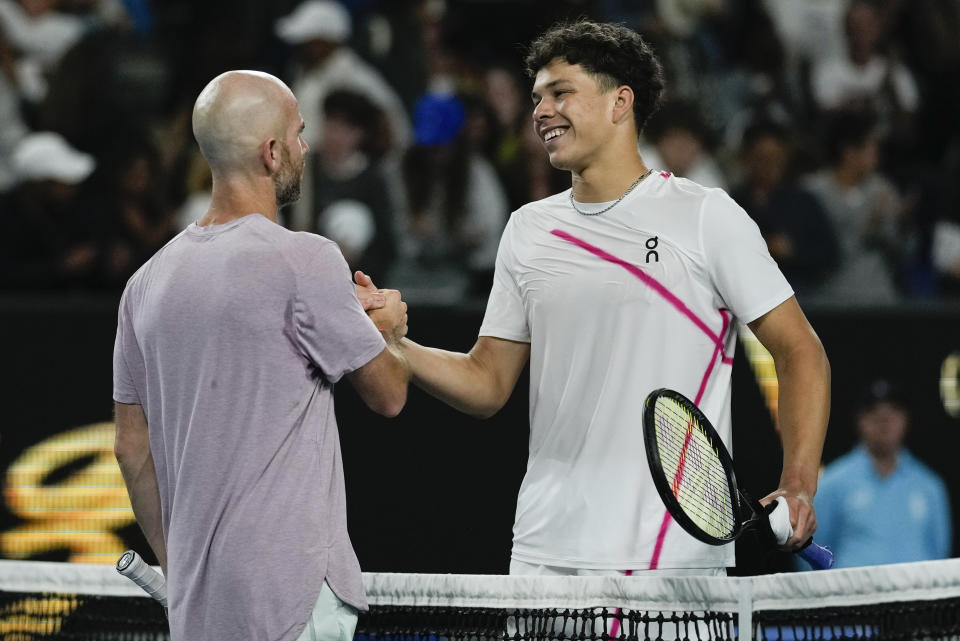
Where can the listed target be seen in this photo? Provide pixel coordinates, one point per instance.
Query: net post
(745, 609)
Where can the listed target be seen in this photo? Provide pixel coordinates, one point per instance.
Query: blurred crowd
(832, 122)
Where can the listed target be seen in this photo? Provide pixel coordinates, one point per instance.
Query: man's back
(231, 338)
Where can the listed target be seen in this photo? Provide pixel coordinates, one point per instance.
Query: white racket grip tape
(132, 566)
(780, 521)
(819, 557)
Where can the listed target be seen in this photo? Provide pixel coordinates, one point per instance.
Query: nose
(542, 110)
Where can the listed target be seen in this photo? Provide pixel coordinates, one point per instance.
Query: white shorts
(331, 619)
(530, 569)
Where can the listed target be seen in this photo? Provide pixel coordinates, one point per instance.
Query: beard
(286, 182)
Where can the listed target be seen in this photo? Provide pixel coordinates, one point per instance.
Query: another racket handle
(132, 566)
(819, 557)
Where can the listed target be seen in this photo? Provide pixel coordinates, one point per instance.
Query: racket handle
(818, 556)
(132, 566)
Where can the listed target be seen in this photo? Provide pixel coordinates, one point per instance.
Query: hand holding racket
(693, 473)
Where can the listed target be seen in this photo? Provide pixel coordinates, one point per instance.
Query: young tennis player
(632, 280)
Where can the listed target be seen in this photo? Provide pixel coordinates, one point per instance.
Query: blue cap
(438, 119)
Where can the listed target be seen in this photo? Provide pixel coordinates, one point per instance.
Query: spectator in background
(319, 30)
(862, 76)
(40, 30)
(878, 503)
(678, 140)
(866, 212)
(798, 231)
(45, 237)
(135, 220)
(354, 200)
(12, 125)
(946, 257)
(926, 33)
(809, 32)
(393, 37)
(516, 151)
(945, 250)
(456, 208)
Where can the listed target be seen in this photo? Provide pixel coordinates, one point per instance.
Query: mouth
(553, 133)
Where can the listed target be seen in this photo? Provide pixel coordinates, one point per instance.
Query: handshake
(384, 307)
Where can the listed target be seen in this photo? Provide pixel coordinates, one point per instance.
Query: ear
(270, 155)
(623, 103)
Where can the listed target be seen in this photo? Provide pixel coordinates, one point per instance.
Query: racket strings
(693, 469)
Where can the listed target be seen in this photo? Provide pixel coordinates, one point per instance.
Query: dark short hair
(359, 111)
(614, 54)
(353, 107)
(879, 391)
(848, 129)
(761, 129)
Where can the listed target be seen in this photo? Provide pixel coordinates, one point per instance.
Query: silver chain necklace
(614, 203)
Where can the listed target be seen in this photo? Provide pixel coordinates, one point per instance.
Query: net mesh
(908, 601)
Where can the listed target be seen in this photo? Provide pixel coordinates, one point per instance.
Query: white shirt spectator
(838, 82)
(44, 37)
(809, 29)
(346, 70)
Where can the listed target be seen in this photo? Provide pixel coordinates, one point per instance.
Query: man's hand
(370, 297)
(391, 319)
(802, 517)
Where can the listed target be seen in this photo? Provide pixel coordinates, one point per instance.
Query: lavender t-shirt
(231, 338)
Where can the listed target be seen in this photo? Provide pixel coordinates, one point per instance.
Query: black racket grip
(818, 556)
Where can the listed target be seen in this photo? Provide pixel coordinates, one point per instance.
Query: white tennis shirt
(645, 295)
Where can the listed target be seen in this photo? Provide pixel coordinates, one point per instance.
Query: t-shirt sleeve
(742, 270)
(332, 329)
(128, 365)
(505, 316)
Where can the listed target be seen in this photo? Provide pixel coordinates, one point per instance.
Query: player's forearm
(139, 474)
(804, 409)
(459, 380)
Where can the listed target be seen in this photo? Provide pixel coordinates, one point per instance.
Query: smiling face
(573, 115)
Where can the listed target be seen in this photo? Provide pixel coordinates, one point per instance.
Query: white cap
(315, 20)
(47, 156)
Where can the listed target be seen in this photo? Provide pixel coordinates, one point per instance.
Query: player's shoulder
(143, 272)
(302, 249)
(552, 204)
(688, 195)
(686, 204)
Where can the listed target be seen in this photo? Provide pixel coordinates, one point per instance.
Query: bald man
(229, 342)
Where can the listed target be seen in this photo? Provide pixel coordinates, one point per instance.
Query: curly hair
(614, 54)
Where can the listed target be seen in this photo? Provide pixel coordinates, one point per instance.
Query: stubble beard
(286, 182)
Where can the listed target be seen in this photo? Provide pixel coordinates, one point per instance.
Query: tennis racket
(132, 566)
(693, 473)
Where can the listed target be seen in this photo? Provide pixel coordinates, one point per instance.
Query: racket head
(691, 468)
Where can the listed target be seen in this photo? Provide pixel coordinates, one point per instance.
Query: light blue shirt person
(878, 504)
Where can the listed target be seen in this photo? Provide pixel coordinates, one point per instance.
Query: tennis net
(906, 601)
